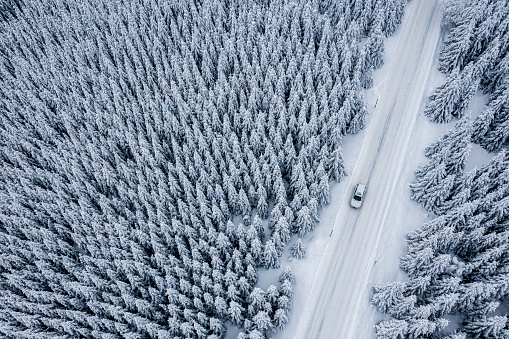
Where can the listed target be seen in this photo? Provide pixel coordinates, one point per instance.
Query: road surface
(332, 308)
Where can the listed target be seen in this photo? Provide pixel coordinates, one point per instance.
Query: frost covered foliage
(8, 8)
(439, 184)
(457, 264)
(133, 132)
(475, 56)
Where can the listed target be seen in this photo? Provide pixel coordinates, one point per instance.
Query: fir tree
(298, 250)
(270, 256)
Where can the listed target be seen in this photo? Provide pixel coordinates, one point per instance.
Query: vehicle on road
(358, 196)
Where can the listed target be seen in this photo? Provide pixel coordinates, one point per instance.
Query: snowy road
(332, 308)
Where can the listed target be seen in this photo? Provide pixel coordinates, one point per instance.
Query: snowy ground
(345, 263)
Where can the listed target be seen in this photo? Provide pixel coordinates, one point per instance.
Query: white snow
(333, 301)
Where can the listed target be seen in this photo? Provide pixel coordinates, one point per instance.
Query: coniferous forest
(458, 263)
(155, 153)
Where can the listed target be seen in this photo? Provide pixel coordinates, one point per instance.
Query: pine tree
(376, 43)
(262, 204)
(298, 250)
(275, 215)
(387, 296)
(336, 165)
(270, 256)
(393, 329)
(258, 226)
(453, 148)
(323, 185)
(490, 127)
(305, 221)
(283, 228)
(262, 321)
(457, 336)
(424, 327)
(456, 47)
(280, 318)
(256, 250)
(235, 312)
(444, 101)
(432, 187)
(287, 275)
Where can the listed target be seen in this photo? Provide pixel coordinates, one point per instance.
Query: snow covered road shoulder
(331, 310)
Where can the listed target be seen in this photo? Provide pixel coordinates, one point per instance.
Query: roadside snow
(338, 304)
